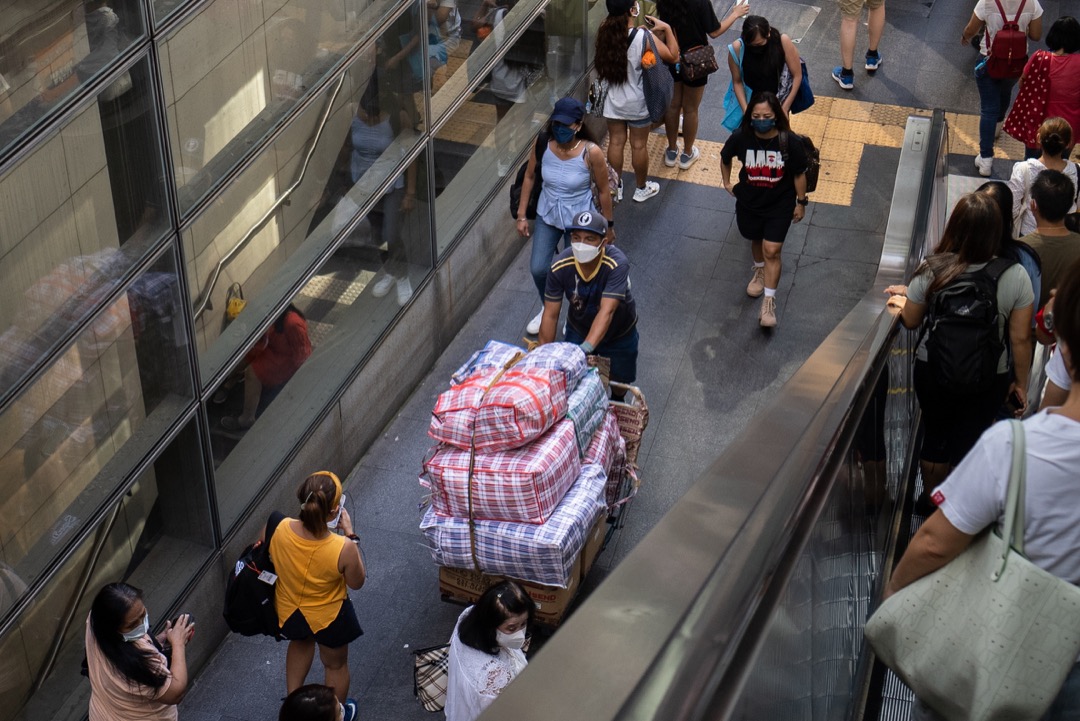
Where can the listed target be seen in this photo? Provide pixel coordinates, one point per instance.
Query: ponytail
(318, 495)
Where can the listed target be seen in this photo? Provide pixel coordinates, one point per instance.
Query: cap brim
(565, 119)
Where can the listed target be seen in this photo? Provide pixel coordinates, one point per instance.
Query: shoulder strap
(1019, 11)
(633, 34)
(1014, 498)
(275, 519)
(1001, 11)
(784, 145)
(997, 267)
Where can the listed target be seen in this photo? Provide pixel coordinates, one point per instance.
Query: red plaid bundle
(523, 485)
(497, 413)
(608, 450)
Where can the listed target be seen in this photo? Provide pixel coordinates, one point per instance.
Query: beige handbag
(989, 636)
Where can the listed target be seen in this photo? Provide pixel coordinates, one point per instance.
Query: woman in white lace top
(486, 649)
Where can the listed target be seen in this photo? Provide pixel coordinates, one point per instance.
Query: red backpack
(1008, 51)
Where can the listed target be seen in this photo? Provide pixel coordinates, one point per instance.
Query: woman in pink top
(1050, 87)
(130, 678)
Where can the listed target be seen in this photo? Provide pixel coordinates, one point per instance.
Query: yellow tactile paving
(840, 127)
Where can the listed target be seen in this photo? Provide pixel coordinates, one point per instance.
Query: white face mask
(635, 10)
(585, 253)
(139, 631)
(332, 523)
(510, 640)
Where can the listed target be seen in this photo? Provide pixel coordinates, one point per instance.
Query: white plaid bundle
(538, 553)
(565, 357)
(523, 485)
(608, 450)
(495, 413)
(587, 407)
(493, 356)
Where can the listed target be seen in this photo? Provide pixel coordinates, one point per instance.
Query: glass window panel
(347, 305)
(75, 217)
(479, 146)
(49, 49)
(97, 410)
(340, 180)
(235, 70)
(156, 540)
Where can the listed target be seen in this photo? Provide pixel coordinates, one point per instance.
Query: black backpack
(964, 343)
(538, 181)
(813, 158)
(249, 593)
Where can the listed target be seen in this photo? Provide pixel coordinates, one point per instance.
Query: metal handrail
(204, 303)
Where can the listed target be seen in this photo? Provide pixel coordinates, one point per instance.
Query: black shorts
(699, 83)
(757, 226)
(952, 423)
(342, 631)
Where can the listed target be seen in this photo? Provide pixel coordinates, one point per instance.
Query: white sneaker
(985, 165)
(618, 193)
(533, 328)
(685, 161)
(642, 194)
(404, 290)
(382, 285)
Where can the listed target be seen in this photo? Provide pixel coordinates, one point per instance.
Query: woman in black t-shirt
(771, 192)
(694, 22)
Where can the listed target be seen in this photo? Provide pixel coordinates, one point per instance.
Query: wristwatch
(804, 201)
(1048, 321)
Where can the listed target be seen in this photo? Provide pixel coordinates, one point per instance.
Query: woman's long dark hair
(754, 27)
(972, 235)
(675, 13)
(1002, 195)
(764, 96)
(500, 602)
(612, 44)
(107, 614)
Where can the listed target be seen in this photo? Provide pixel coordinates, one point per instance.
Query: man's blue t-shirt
(611, 279)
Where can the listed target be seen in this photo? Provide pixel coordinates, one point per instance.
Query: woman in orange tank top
(314, 566)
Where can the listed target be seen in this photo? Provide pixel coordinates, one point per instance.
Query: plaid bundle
(565, 357)
(523, 485)
(538, 553)
(608, 450)
(587, 408)
(494, 355)
(517, 408)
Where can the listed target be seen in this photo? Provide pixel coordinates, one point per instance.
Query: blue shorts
(623, 353)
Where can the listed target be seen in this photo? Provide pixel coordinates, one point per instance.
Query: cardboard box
(465, 585)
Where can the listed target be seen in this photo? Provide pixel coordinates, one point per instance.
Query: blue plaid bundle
(586, 407)
(493, 356)
(565, 357)
(608, 450)
(542, 553)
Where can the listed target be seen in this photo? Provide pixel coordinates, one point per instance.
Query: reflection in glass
(75, 217)
(341, 179)
(95, 410)
(155, 539)
(49, 49)
(234, 72)
(342, 311)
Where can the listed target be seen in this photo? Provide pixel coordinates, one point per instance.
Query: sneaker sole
(872, 68)
(642, 200)
(767, 324)
(669, 163)
(686, 166)
(755, 295)
(842, 84)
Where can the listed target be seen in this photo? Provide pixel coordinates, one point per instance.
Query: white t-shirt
(1056, 371)
(626, 101)
(1023, 176)
(474, 678)
(987, 11)
(973, 496)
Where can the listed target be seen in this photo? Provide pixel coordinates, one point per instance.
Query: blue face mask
(562, 133)
(763, 125)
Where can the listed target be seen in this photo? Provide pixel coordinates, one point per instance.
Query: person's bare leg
(298, 658)
(252, 394)
(616, 144)
(848, 27)
(771, 252)
(336, 663)
(876, 22)
(691, 99)
(756, 251)
(639, 154)
(671, 117)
